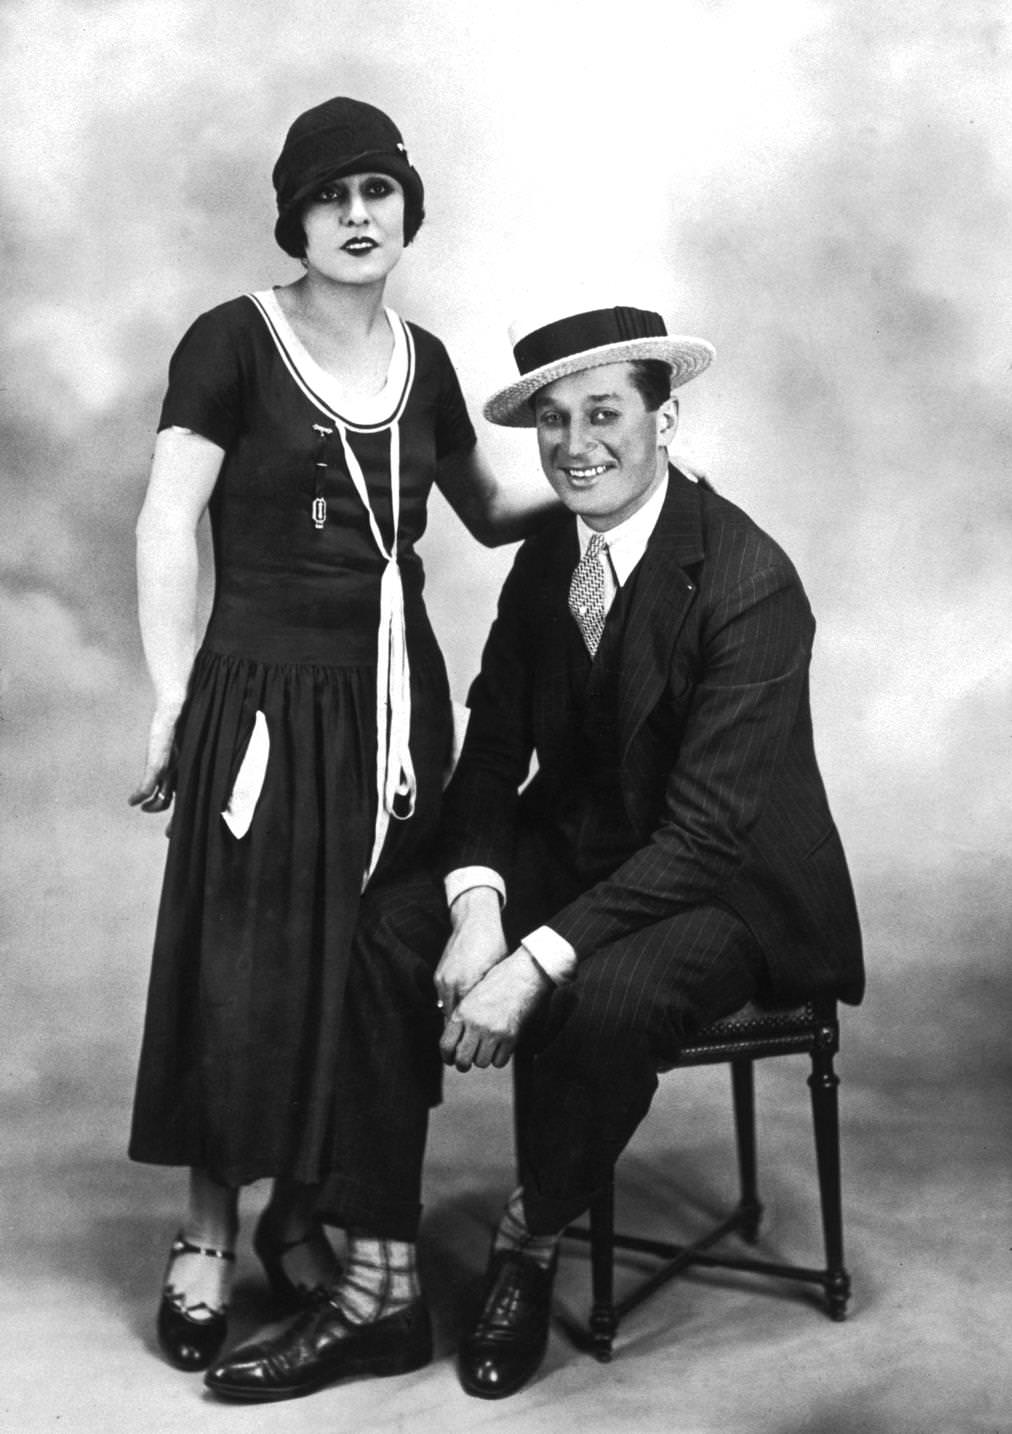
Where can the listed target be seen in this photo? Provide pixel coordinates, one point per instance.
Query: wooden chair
(751, 1034)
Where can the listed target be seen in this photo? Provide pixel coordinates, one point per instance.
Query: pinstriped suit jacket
(717, 766)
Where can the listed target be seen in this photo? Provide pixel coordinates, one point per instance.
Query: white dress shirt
(625, 545)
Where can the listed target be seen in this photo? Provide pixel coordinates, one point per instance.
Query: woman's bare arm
(183, 474)
(491, 512)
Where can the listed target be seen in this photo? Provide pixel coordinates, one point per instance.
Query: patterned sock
(380, 1278)
(513, 1233)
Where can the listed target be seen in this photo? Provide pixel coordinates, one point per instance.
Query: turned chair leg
(823, 1083)
(743, 1089)
(602, 1254)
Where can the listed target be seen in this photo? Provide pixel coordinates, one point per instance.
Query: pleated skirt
(247, 1041)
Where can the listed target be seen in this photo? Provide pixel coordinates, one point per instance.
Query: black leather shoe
(320, 1347)
(509, 1340)
(189, 1343)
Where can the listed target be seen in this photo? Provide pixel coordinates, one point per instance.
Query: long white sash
(395, 772)
(396, 786)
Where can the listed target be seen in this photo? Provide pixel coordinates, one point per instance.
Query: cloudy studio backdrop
(824, 190)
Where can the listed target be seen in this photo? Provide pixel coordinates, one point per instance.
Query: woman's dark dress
(282, 1037)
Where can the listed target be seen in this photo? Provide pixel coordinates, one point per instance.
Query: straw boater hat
(588, 340)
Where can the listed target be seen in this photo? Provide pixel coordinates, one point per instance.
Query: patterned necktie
(586, 593)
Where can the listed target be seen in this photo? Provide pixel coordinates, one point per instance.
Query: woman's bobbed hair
(340, 137)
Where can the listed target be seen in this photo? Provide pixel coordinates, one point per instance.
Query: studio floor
(926, 1131)
(926, 1347)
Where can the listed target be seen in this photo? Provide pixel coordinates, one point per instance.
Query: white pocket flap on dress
(249, 780)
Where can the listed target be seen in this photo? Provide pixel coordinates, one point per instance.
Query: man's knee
(643, 996)
(598, 1018)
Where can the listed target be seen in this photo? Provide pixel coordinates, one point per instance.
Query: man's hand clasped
(485, 991)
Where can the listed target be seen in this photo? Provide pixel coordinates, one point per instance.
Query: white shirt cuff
(552, 953)
(465, 878)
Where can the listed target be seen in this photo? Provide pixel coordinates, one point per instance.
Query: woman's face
(354, 228)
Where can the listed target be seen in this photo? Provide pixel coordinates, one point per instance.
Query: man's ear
(667, 422)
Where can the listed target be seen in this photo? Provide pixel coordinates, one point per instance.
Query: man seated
(674, 855)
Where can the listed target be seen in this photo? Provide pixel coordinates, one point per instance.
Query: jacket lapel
(665, 591)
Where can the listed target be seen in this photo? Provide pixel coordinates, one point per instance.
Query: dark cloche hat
(341, 136)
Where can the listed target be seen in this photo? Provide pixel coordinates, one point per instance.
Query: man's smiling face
(603, 451)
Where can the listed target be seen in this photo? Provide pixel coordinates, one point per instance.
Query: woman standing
(304, 747)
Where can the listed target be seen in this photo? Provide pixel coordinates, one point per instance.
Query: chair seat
(756, 1031)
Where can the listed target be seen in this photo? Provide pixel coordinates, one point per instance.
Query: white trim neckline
(357, 412)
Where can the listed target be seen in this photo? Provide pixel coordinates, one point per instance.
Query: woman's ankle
(212, 1215)
(198, 1277)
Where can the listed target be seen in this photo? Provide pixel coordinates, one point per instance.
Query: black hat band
(579, 332)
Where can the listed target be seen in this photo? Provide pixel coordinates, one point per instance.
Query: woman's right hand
(158, 784)
(183, 474)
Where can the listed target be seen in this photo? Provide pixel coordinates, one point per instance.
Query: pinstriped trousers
(587, 1064)
(589, 1058)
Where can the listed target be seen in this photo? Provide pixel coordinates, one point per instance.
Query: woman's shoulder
(228, 338)
(218, 354)
(233, 316)
(428, 346)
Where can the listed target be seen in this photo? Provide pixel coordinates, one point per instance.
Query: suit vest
(586, 805)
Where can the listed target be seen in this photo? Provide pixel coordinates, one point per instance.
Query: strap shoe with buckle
(190, 1336)
(271, 1253)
